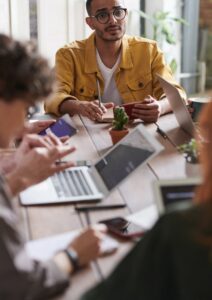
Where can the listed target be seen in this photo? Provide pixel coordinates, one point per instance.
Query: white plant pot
(192, 169)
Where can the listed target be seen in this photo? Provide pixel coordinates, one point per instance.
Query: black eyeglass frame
(109, 14)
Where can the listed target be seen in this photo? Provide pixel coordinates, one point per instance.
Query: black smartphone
(123, 228)
(62, 127)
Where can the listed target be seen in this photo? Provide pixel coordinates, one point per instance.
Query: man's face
(113, 29)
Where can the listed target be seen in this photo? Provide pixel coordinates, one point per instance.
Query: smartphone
(62, 127)
(123, 228)
(128, 109)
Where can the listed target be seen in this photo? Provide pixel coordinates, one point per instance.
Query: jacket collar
(90, 55)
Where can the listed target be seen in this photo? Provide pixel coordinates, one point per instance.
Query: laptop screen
(124, 159)
(177, 196)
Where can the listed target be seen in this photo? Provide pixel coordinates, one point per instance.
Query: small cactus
(120, 118)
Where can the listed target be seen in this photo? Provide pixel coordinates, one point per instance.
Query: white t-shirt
(111, 93)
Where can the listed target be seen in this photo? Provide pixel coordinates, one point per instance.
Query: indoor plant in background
(119, 129)
(191, 154)
(162, 23)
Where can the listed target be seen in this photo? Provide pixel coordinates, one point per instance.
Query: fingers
(64, 139)
(100, 227)
(93, 111)
(61, 152)
(37, 126)
(33, 140)
(62, 166)
(44, 123)
(53, 139)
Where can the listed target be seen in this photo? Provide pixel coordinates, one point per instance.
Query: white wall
(62, 21)
(14, 18)
(65, 22)
(4, 17)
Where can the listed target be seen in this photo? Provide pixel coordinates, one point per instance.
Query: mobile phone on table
(64, 126)
(128, 109)
(123, 228)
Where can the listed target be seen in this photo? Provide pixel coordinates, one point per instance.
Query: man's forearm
(69, 106)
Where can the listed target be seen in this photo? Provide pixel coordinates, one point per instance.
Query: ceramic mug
(197, 104)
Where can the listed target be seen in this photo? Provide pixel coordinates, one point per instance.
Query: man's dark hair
(24, 74)
(88, 6)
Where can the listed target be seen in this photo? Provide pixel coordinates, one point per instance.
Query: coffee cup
(197, 104)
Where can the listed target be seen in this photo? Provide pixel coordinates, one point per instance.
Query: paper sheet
(44, 249)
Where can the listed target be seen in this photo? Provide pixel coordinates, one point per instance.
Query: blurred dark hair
(88, 6)
(204, 193)
(24, 74)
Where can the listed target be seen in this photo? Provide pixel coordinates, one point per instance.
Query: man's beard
(113, 36)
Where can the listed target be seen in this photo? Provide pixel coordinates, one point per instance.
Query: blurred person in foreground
(174, 259)
(26, 78)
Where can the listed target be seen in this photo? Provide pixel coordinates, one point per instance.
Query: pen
(160, 131)
(99, 92)
(102, 207)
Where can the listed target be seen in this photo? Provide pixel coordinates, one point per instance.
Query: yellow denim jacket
(77, 71)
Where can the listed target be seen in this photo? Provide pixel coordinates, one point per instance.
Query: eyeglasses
(104, 17)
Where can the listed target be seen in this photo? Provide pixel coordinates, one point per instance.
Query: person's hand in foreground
(36, 159)
(10, 157)
(34, 127)
(89, 109)
(148, 111)
(87, 247)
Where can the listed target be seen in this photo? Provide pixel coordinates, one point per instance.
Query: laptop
(93, 183)
(170, 195)
(175, 194)
(178, 106)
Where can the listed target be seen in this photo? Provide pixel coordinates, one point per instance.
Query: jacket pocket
(84, 92)
(140, 87)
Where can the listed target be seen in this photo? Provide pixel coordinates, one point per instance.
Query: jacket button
(140, 84)
(81, 90)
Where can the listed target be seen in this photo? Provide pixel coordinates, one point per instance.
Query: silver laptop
(175, 193)
(88, 184)
(168, 195)
(178, 106)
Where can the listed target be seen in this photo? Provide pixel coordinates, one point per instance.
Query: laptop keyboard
(71, 184)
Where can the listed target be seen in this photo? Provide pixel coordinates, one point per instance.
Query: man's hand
(148, 111)
(89, 109)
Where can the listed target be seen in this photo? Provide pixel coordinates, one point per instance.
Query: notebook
(178, 106)
(85, 183)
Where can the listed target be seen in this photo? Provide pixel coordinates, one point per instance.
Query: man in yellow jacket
(112, 67)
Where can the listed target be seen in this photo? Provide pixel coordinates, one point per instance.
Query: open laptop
(169, 195)
(175, 193)
(88, 184)
(178, 106)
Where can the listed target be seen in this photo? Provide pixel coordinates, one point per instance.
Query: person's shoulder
(73, 46)
(139, 41)
(184, 221)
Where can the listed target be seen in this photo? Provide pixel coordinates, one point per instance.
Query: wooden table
(91, 142)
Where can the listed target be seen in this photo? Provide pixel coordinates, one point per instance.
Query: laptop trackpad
(41, 193)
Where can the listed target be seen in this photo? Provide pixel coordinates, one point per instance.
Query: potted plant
(119, 130)
(163, 30)
(191, 154)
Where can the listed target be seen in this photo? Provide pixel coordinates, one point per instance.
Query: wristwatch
(73, 257)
